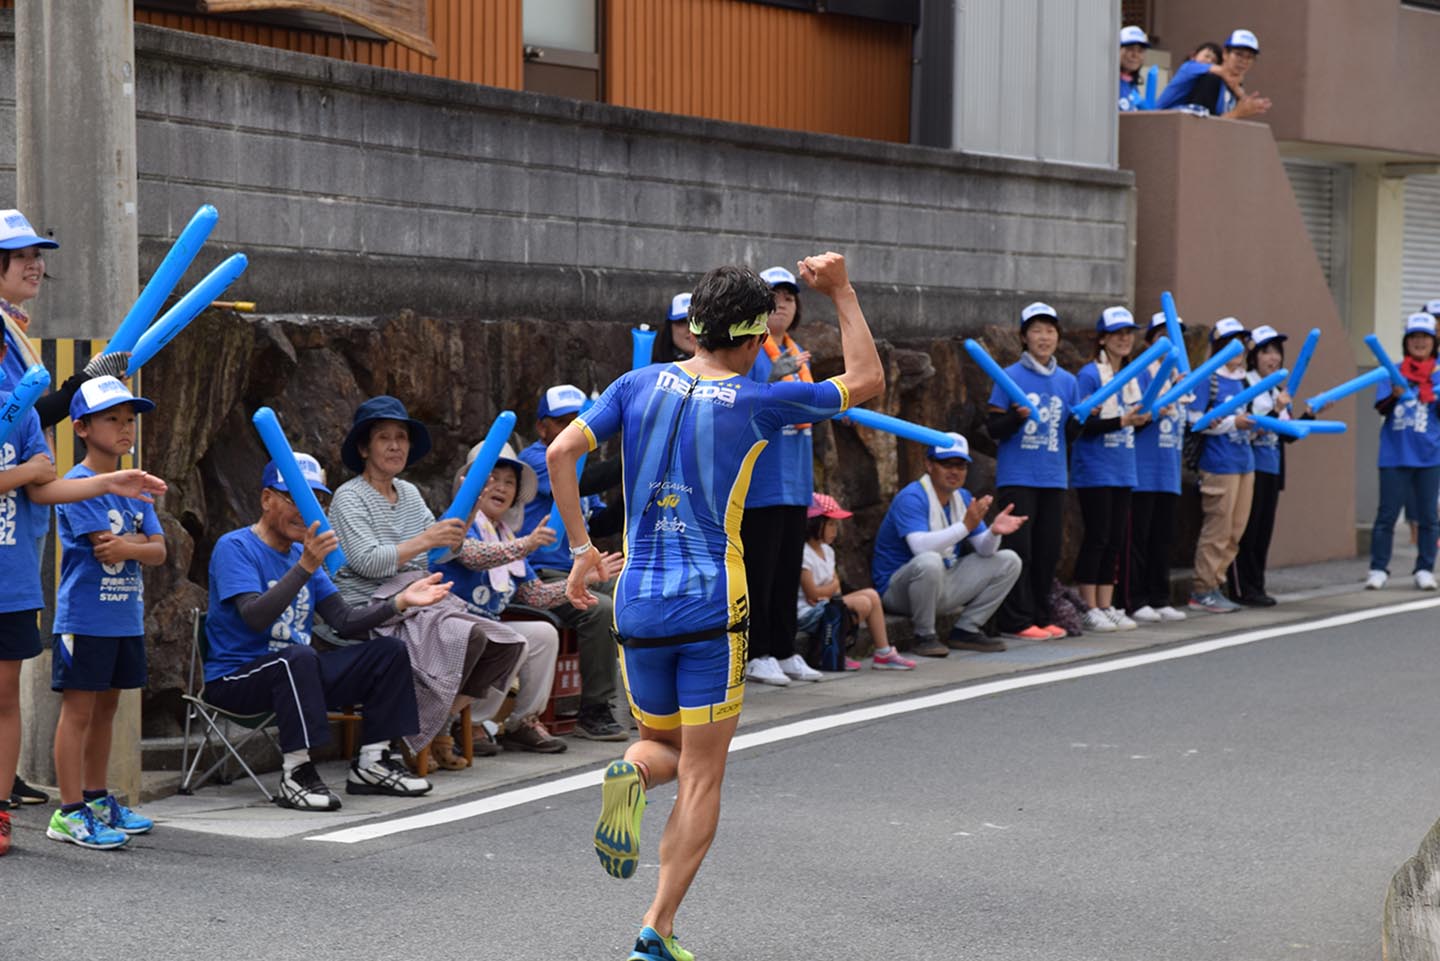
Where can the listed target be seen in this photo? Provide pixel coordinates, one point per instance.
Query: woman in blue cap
(1102, 470)
(1247, 574)
(674, 341)
(1227, 474)
(1409, 456)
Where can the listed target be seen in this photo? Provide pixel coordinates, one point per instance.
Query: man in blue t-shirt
(266, 586)
(690, 434)
(935, 555)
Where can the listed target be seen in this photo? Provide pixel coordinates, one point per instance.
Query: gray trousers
(973, 588)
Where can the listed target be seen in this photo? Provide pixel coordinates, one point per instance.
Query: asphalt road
(1250, 803)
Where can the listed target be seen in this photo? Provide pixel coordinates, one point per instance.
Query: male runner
(690, 434)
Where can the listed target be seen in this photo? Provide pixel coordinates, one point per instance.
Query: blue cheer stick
(1240, 399)
(1377, 376)
(1325, 426)
(1389, 367)
(1302, 361)
(1152, 80)
(1004, 381)
(898, 427)
(166, 276)
(1190, 381)
(1117, 383)
(268, 425)
(22, 400)
(642, 347)
(462, 508)
(1147, 400)
(177, 318)
(1285, 428)
(1174, 331)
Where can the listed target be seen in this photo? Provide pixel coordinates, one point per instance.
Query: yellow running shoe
(650, 946)
(617, 834)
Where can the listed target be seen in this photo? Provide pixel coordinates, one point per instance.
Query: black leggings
(1144, 579)
(1247, 574)
(774, 539)
(1038, 544)
(1105, 511)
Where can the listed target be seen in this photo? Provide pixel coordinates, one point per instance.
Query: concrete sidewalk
(1306, 593)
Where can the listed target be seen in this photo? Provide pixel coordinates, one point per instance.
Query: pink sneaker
(851, 664)
(1031, 633)
(894, 661)
(1055, 631)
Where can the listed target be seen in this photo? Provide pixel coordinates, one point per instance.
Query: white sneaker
(766, 670)
(1376, 580)
(1147, 615)
(1098, 622)
(796, 669)
(1168, 613)
(1119, 619)
(1425, 581)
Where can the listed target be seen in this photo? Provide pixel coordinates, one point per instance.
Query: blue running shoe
(80, 827)
(649, 946)
(113, 814)
(617, 835)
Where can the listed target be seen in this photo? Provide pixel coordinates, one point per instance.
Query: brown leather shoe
(444, 756)
(528, 734)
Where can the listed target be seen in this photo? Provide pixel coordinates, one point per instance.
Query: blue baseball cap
(1115, 318)
(778, 276)
(16, 232)
(1265, 334)
(679, 307)
(1158, 320)
(960, 448)
(103, 393)
(309, 466)
(1129, 35)
(1243, 39)
(1038, 310)
(561, 400)
(1227, 327)
(1420, 323)
(1432, 307)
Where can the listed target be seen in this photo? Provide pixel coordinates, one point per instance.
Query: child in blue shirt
(27, 477)
(99, 618)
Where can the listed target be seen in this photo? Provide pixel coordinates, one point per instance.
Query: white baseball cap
(1038, 309)
(16, 232)
(1265, 334)
(775, 276)
(1226, 327)
(959, 448)
(1244, 39)
(1432, 307)
(103, 393)
(560, 400)
(1158, 320)
(1129, 35)
(1420, 323)
(679, 307)
(1114, 318)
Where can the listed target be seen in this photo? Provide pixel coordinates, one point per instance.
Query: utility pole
(75, 177)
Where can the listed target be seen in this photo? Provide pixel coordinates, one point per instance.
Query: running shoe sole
(55, 835)
(617, 833)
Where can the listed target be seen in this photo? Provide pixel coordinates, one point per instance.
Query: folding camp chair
(196, 707)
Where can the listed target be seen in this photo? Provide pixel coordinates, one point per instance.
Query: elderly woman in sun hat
(387, 531)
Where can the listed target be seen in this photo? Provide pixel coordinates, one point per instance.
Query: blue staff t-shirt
(1177, 91)
(909, 513)
(1109, 459)
(1230, 452)
(12, 368)
(244, 564)
(1410, 436)
(557, 555)
(21, 527)
(1159, 446)
(784, 475)
(102, 600)
(474, 587)
(1035, 455)
(1130, 95)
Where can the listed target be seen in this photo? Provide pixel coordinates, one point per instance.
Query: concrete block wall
(356, 190)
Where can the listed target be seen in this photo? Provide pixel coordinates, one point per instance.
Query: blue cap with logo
(310, 467)
(1243, 39)
(1158, 320)
(1040, 310)
(1265, 334)
(959, 448)
(561, 400)
(16, 232)
(1114, 318)
(779, 276)
(1420, 323)
(1227, 327)
(679, 307)
(102, 393)
(1131, 35)
(1432, 307)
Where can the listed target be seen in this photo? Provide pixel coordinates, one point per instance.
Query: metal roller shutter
(1323, 194)
(1420, 274)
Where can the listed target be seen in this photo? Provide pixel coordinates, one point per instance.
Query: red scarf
(1419, 372)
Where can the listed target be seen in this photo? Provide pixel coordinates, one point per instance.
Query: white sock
(293, 759)
(371, 753)
(882, 651)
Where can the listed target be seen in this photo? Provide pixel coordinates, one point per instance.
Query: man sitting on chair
(266, 585)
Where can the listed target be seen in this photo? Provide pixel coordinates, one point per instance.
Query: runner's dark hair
(728, 295)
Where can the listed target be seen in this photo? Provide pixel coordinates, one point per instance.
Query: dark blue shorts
(685, 684)
(19, 635)
(83, 662)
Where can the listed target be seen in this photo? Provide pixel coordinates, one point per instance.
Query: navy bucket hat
(377, 409)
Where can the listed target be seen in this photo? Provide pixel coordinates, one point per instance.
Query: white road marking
(862, 715)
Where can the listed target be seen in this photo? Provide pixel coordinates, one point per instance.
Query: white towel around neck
(937, 516)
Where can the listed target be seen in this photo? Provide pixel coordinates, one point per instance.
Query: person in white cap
(1409, 456)
(1247, 574)
(935, 555)
(1133, 44)
(1227, 474)
(1102, 471)
(1218, 90)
